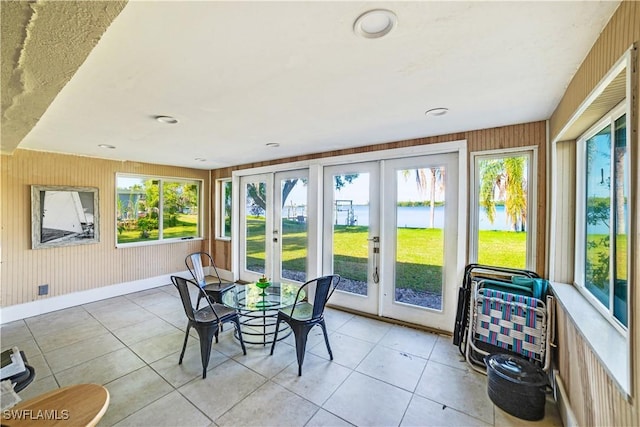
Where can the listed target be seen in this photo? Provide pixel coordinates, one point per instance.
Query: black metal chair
(303, 316)
(212, 285)
(207, 321)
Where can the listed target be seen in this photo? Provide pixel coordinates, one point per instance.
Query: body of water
(420, 217)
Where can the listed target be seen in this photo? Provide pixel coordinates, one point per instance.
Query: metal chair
(207, 321)
(302, 315)
(212, 285)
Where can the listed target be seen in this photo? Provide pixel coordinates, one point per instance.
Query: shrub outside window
(154, 209)
(603, 216)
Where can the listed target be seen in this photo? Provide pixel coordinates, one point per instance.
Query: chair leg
(205, 333)
(275, 335)
(301, 333)
(236, 320)
(184, 346)
(326, 338)
(199, 298)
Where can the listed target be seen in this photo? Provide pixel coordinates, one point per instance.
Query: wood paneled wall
(522, 135)
(76, 268)
(594, 398)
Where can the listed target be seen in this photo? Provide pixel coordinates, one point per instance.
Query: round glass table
(258, 309)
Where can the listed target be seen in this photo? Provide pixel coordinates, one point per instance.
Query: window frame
(608, 119)
(531, 152)
(220, 209)
(161, 180)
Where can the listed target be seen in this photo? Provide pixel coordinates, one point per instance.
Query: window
(602, 220)
(223, 209)
(503, 216)
(154, 209)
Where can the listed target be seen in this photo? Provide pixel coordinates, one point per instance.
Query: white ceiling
(239, 75)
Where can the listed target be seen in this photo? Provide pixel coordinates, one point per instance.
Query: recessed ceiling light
(441, 111)
(375, 23)
(167, 119)
(200, 159)
(272, 144)
(111, 147)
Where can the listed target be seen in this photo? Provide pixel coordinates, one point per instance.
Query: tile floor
(381, 375)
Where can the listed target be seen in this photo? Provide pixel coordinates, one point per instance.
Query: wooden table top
(75, 405)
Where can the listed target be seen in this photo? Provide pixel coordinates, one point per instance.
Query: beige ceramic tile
(259, 359)
(57, 320)
(365, 329)
(463, 390)
(70, 335)
(115, 303)
(448, 354)
(365, 401)
(116, 319)
(336, 318)
(168, 411)
(144, 330)
(394, 367)
(191, 367)
(270, 405)
(425, 412)
(82, 351)
(323, 418)
(410, 341)
(14, 333)
(159, 346)
(320, 378)
(225, 386)
(347, 351)
(101, 370)
(133, 392)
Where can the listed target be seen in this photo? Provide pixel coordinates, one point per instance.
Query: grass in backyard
(420, 252)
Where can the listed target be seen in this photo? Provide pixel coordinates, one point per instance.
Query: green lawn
(420, 251)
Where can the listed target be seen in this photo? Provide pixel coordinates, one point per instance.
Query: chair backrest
(324, 288)
(182, 285)
(194, 264)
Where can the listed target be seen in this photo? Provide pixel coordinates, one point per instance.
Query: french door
(391, 233)
(393, 229)
(421, 249)
(273, 226)
(351, 233)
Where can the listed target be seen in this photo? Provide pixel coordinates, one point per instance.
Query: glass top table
(258, 309)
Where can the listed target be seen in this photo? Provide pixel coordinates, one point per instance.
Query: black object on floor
(517, 386)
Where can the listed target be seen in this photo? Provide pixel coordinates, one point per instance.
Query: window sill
(607, 343)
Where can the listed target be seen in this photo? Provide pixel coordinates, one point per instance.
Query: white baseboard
(47, 305)
(562, 399)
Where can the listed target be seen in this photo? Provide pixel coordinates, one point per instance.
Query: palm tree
(434, 178)
(505, 179)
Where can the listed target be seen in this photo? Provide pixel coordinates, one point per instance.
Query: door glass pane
(293, 229)
(420, 236)
(502, 211)
(255, 217)
(351, 231)
(621, 197)
(598, 209)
